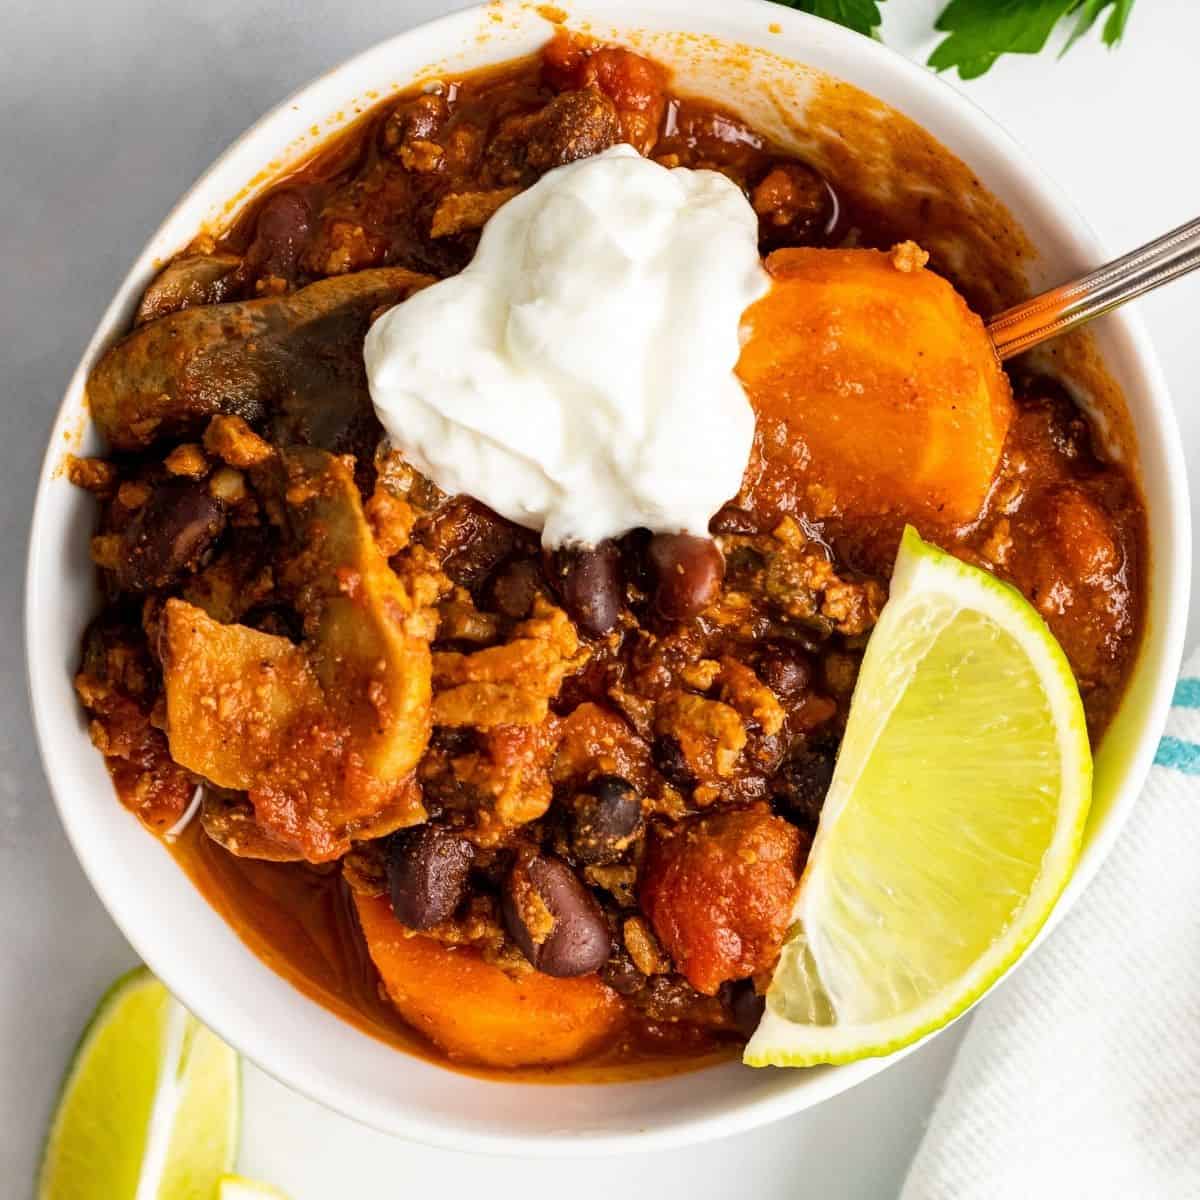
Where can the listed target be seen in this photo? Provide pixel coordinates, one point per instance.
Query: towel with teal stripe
(1180, 748)
(1079, 1078)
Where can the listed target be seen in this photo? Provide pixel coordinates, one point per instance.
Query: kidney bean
(799, 788)
(745, 1005)
(588, 582)
(554, 919)
(787, 670)
(427, 874)
(688, 572)
(283, 229)
(604, 820)
(170, 535)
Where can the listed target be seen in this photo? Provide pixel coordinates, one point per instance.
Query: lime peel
(952, 824)
(150, 1106)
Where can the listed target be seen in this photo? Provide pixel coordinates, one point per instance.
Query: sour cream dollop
(578, 376)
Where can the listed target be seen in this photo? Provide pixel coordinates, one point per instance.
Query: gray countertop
(111, 111)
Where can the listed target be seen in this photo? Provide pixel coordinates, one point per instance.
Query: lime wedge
(234, 1187)
(150, 1106)
(952, 824)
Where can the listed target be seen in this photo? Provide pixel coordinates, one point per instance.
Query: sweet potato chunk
(474, 1011)
(877, 389)
(719, 891)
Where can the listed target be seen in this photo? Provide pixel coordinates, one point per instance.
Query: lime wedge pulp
(150, 1108)
(952, 824)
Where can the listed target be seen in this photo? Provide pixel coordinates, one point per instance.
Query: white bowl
(169, 923)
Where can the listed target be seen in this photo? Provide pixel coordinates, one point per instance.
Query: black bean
(427, 874)
(554, 919)
(170, 535)
(671, 761)
(511, 590)
(604, 820)
(787, 670)
(799, 788)
(745, 1005)
(588, 582)
(687, 573)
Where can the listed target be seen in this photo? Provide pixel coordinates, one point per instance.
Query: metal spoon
(1054, 312)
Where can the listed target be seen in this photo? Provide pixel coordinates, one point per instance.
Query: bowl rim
(1172, 560)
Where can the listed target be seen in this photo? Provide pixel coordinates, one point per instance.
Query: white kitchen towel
(1080, 1077)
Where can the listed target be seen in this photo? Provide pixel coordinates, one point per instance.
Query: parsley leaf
(979, 31)
(863, 16)
(1114, 27)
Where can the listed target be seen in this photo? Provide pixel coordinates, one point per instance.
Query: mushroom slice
(324, 735)
(293, 361)
(186, 282)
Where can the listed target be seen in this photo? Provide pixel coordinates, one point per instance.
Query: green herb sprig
(978, 32)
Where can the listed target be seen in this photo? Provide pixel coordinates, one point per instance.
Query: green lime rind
(923, 886)
(114, 1142)
(150, 1105)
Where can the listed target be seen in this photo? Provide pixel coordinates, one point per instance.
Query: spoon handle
(1054, 312)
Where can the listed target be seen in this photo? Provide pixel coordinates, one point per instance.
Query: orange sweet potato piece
(883, 380)
(719, 892)
(474, 1011)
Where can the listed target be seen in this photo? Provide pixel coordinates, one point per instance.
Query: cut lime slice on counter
(150, 1108)
(234, 1187)
(952, 824)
